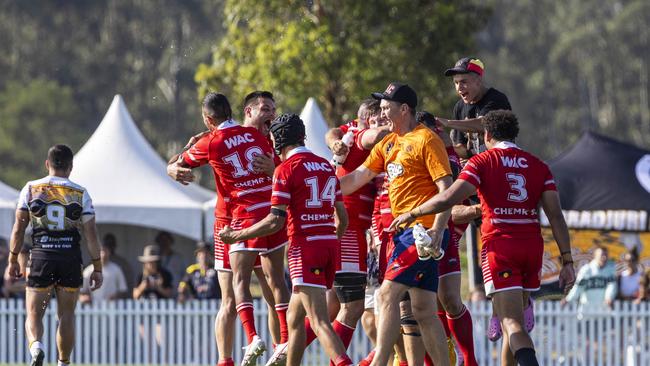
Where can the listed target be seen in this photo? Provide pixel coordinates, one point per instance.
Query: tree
(340, 51)
(147, 51)
(34, 117)
(572, 66)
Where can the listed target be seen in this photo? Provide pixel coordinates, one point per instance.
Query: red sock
(281, 310)
(226, 362)
(368, 360)
(403, 363)
(427, 360)
(461, 327)
(343, 360)
(443, 319)
(245, 311)
(344, 332)
(309, 333)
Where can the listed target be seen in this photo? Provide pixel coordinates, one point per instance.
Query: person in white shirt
(114, 286)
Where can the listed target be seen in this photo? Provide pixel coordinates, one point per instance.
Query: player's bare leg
(242, 263)
(424, 307)
(310, 301)
(37, 301)
(274, 270)
(389, 320)
(66, 301)
(368, 324)
(333, 304)
(413, 346)
(224, 324)
(267, 293)
(509, 308)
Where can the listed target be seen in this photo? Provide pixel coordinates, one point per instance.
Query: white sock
(61, 363)
(35, 347)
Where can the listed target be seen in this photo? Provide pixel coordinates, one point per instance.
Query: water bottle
(348, 140)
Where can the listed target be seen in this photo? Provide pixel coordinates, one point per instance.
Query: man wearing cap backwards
(475, 101)
(307, 196)
(417, 166)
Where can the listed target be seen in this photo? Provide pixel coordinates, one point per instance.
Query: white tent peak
(7, 193)
(127, 179)
(315, 129)
(8, 198)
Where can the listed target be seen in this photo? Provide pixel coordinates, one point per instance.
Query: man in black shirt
(475, 101)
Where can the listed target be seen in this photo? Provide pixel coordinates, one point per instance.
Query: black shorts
(44, 273)
(350, 286)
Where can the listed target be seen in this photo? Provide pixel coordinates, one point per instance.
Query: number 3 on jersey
(234, 160)
(518, 191)
(317, 196)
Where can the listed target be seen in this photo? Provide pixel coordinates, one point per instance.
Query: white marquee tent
(315, 129)
(128, 183)
(8, 198)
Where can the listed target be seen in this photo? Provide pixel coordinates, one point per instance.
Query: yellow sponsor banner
(584, 242)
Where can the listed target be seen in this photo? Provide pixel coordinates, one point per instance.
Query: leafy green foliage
(340, 51)
(34, 117)
(145, 50)
(572, 66)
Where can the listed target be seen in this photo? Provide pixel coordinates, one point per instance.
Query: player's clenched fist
(227, 235)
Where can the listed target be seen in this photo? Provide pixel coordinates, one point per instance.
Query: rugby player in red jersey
(511, 184)
(231, 149)
(350, 279)
(306, 194)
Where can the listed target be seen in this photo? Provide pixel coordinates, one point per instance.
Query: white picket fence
(168, 333)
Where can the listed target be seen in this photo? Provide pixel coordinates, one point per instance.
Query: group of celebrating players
(395, 171)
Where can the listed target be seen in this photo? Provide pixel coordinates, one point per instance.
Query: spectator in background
(155, 282)
(169, 259)
(114, 286)
(109, 241)
(14, 288)
(200, 279)
(476, 100)
(644, 286)
(595, 283)
(628, 281)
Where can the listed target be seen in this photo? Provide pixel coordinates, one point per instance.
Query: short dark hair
(217, 106)
(426, 118)
(373, 106)
(501, 124)
(60, 157)
(252, 97)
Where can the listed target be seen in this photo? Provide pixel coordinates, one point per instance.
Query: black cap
(466, 65)
(398, 92)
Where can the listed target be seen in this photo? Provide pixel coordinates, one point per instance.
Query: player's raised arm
(353, 181)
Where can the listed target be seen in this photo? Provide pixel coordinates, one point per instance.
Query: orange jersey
(413, 163)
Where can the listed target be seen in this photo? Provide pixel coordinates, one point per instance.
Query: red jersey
(510, 183)
(230, 149)
(307, 185)
(360, 203)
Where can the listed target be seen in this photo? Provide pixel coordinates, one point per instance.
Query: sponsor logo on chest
(237, 140)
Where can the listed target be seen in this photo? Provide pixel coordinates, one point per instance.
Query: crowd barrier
(130, 332)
